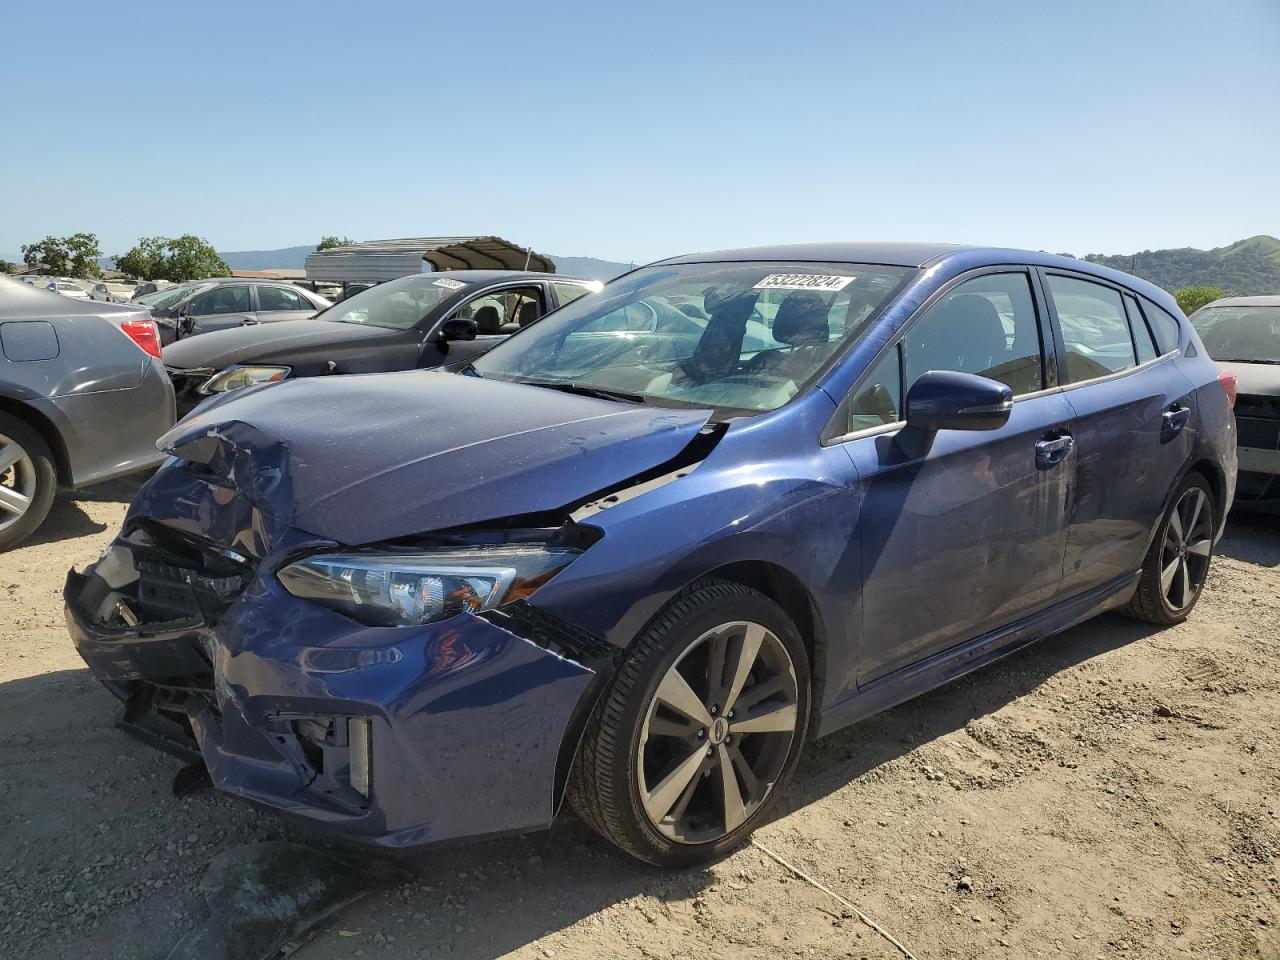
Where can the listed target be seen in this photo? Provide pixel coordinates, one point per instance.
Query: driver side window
(986, 326)
(501, 312)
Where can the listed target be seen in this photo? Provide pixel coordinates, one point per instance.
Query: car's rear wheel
(27, 481)
(1177, 564)
(691, 745)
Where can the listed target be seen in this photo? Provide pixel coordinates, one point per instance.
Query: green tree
(145, 259)
(1191, 299)
(8, 266)
(185, 258)
(327, 243)
(49, 254)
(73, 256)
(84, 253)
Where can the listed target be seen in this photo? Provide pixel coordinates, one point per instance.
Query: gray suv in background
(83, 397)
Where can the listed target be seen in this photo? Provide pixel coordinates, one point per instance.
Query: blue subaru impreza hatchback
(635, 555)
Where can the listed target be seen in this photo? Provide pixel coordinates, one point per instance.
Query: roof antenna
(528, 255)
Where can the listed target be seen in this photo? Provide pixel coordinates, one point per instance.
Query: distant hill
(294, 258)
(1244, 268)
(286, 258)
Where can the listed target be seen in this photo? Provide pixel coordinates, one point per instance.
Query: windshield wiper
(586, 390)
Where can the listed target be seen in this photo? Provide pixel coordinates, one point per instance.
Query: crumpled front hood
(360, 459)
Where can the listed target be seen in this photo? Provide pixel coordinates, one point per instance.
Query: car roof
(956, 256)
(889, 254)
(20, 300)
(1268, 301)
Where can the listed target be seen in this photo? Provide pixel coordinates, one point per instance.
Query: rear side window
(1164, 326)
(986, 326)
(1095, 328)
(569, 292)
(278, 298)
(1141, 335)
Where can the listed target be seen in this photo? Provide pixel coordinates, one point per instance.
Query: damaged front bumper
(392, 736)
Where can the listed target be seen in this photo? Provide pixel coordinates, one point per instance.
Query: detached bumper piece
(389, 736)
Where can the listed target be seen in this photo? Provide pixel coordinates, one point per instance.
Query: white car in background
(114, 291)
(68, 288)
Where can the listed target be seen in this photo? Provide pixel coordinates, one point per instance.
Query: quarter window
(985, 326)
(879, 398)
(1095, 329)
(1163, 326)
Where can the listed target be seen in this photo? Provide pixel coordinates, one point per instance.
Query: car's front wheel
(692, 743)
(1177, 563)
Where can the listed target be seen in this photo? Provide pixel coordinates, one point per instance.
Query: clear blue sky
(587, 129)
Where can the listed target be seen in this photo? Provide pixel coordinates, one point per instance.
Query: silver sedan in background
(83, 398)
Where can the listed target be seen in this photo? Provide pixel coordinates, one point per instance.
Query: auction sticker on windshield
(802, 281)
(450, 284)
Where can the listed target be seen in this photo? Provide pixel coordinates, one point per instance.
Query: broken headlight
(235, 377)
(391, 590)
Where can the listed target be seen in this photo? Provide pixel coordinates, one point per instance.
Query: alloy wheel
(1188, 541)
(17, 482)
(717, 732)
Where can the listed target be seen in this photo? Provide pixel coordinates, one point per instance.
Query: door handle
(1050, 451)
(1174, 419)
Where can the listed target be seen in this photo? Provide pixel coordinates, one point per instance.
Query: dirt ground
(1114, 792)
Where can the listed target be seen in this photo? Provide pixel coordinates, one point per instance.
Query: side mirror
(457, 328)
(949, 400)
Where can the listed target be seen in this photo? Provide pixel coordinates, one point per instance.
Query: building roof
(389, 259)
(282, 274)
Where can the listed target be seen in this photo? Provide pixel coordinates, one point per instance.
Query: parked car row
(636, 552)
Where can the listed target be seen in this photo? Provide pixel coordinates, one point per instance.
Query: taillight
(1230, 383)
(145, 334)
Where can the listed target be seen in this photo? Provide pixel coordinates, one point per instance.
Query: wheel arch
(48, 432)
(1217, 480)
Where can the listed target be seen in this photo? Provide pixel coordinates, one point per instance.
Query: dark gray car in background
(83, 397)
(225, 303)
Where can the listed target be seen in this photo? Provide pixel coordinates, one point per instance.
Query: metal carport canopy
(388, 259)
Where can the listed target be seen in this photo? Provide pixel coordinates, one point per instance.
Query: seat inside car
(527, 313)
(488, 320)
(800, 323)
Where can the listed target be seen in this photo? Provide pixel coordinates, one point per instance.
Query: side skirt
(924, 675)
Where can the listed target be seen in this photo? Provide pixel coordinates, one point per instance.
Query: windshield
(734, 336)
(396, 305)
(166, 298)
(1244, 334)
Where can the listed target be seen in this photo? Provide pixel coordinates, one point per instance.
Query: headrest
(487, 319)
(801, 319)
(527, 313)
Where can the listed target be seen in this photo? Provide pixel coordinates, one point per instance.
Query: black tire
(44, 478)
(605, 787)
(1152, 601)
